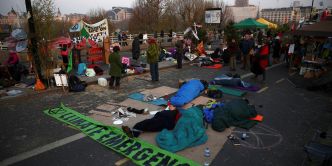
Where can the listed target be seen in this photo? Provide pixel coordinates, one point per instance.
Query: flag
(84, 33)
(70, 62)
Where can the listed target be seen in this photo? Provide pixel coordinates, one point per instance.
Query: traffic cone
(39, 85)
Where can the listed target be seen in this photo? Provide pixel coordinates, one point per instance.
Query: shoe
(127, 131)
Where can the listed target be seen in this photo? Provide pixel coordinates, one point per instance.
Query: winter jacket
(188, 132)
(246, 45)
(264, 56)
(153, 53)
(116, 65)
(136, 48)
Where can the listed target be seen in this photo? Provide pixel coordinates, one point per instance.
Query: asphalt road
(290, 117)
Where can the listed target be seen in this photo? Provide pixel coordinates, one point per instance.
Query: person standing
(115, 68)
(64, 54)
(136, 50)
(276, 50)
(246, 45)
(233, 49)
(261, 61)
(152, 58)
(179, 52)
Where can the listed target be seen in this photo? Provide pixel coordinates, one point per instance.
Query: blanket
(189, 131)
(140, 97)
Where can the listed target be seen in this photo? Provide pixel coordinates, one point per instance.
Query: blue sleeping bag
(187, 93)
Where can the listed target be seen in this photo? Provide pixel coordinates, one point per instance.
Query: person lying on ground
(188, 92)
(165, 119)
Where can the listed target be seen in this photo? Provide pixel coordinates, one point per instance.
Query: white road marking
(41, 149)
(263, 89)
(277, 82)
(246, 75)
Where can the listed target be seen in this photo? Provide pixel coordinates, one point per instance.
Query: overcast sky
(83, 6)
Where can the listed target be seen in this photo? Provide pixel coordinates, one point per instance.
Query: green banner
(70, 62)
(140, 152)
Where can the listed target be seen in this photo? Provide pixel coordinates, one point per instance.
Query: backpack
(98, 70)
(81, 69)
(215, 93)
(75, 84)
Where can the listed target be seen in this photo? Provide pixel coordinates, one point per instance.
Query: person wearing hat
(152, 58)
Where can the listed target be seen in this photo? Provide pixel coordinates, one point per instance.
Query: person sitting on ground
(165, 119)
(188, 91)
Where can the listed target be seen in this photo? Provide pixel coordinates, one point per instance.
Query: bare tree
(44, 13)
(96, 15)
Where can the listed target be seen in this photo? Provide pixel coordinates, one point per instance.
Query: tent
(249, 23)
(319, 29)
(269, 24)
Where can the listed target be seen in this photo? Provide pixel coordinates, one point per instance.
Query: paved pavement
(28, 137)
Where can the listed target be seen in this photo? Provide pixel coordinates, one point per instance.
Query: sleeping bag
(187, 92)
(188, 132)
(234, 113)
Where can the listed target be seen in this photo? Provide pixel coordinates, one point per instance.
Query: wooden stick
(121, 162)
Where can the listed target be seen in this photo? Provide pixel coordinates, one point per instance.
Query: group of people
(153, 57)
(253, 53)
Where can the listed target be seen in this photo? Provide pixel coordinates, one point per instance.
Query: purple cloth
(252, 88)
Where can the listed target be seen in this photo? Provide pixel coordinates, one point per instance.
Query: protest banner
(97, 31)
(140, 152)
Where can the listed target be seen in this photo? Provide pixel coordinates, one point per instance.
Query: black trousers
(115, 80)
(162, 120)
(179, 61)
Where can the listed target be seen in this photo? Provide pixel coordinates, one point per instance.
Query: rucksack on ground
(75, 84)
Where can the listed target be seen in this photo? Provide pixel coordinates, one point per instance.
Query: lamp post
(32, 30)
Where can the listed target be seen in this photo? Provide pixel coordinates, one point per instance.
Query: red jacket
(12, 59)
(264, 56)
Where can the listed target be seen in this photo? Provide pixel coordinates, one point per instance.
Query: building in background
(241, 3)
(12, 20)
(59, 16)
(74, 18)
(118, 14)
(240, 11)
(285, 15)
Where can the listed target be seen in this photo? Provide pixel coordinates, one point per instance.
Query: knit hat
(205, 84)
(151, 40)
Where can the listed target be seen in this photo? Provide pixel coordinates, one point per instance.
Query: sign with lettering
(76, 27)
(97, 31)
(140, 152)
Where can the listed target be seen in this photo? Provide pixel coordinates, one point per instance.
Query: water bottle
(207, 156)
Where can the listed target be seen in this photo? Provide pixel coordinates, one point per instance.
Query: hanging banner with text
(97, 31)
(138, 151)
